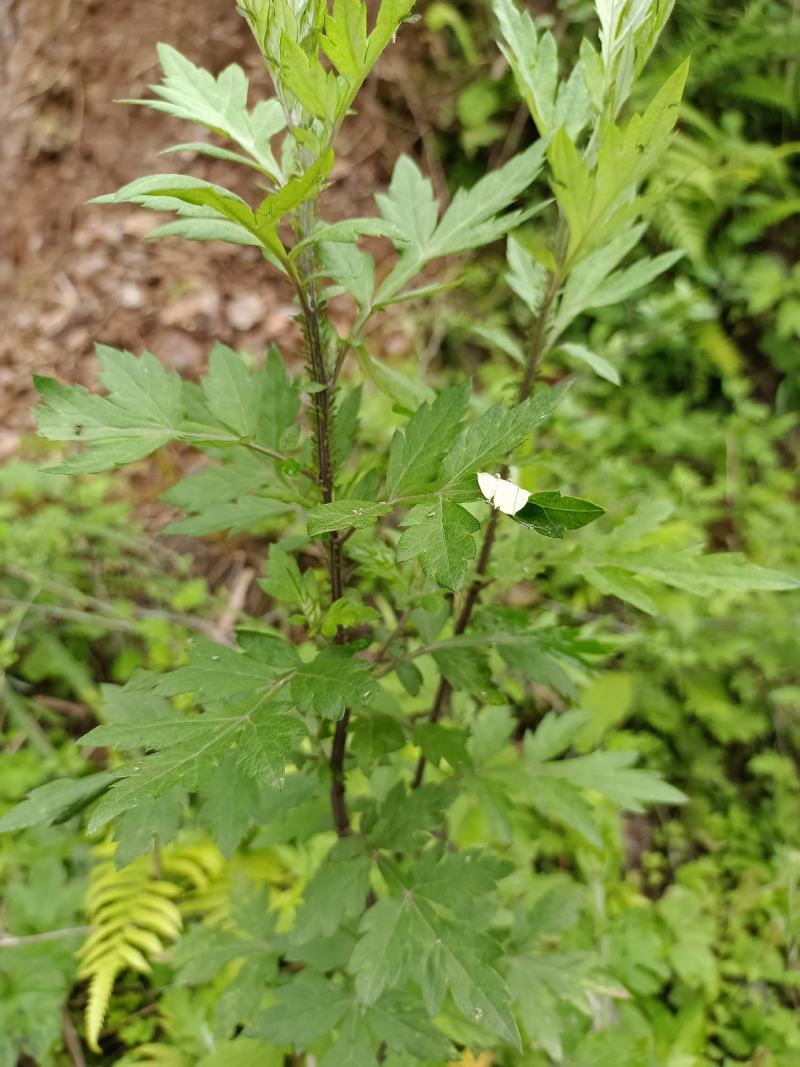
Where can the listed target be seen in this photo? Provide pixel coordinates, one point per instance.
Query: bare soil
(72, 274)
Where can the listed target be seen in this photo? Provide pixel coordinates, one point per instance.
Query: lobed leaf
(333, 681)
(344, 515)
(441, 535)
(142, 411)
(220, 104)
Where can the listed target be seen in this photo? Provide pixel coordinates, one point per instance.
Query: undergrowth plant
(409, 721)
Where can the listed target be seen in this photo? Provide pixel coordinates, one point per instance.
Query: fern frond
(101, 984)
(759, 89)
(682, 227)
(729, 41)
(755, 222)
(204, 867)
(720, 349)
(135, 913)
(132, 915)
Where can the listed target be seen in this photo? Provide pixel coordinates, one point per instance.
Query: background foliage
(675, 941)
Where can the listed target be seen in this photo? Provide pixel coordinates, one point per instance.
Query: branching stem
(539, 345)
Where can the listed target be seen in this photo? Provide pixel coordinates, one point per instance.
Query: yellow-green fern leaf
(720, 349)
(133, 916)
(101, 983)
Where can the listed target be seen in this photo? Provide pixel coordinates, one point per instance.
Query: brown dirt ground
(72, 274)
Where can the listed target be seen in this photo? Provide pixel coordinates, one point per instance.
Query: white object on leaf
(501, 494)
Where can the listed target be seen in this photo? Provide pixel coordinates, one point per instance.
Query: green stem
(538, 348)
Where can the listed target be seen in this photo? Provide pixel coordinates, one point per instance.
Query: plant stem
(323, 419)
(9, 941)
(537, 350)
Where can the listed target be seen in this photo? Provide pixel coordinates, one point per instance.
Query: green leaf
(189, 763)
(306, 78)
(279, 405)
(332, 681)
(526, 276)
(574, 186)
(622, 284)
(142, 412)
(205, 148)
(408, 392)
(142, 385)
(410, 207)
(306, 1007)
(206, 229)
(348, 231)
(244, 1052)
(352, 269)
(191, 749)
(562, 803)
(497, 433)
(596, 203)
(556, 786)
(203, 951)
(599, 364)
(441, 535)
(228, 801)
(297, 190)
(241, 473)
(286, 583)
(56, 802)
(552, 514)
(531, 656)
(534, 62)
(391, 14)
(554, 734)
(337, 892)
(409, 936)
(346, 612)
(416, 455)
(354, 1047)
(185, 195)
(474, 218)
(400, 1023)
(236, 516)
(407, 820)
(382, 954)
(217, 672)
(611, 774)
(440, 742)
(151, 822)
(220, 104)
(344, 515)
(345, 426)
(231, 393)
(375, 735)
(268, 739)
(345, 40)
(611, 581)
(627, 37)
(498, 338)
(467, 669)
(588, 275)
(696, 573)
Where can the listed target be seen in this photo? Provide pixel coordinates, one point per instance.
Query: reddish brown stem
(323, 418)
(536, 352)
